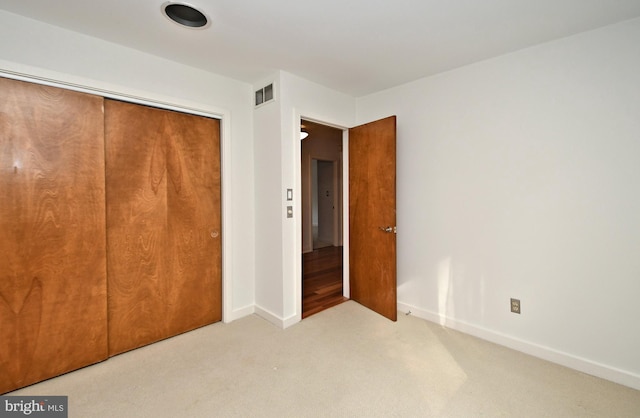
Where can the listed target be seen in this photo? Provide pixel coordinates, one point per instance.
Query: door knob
(388, 229)
(214, 234)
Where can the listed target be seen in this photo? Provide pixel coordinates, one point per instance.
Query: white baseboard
(240, 313)
(275, 319)
(269, 316)
(564, 359)
(292, 320)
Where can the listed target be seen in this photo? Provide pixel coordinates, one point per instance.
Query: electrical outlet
(515, 305)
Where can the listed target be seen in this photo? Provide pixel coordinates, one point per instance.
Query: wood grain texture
(163, 204)
(321, 280)
(53, 311)
(372, 204)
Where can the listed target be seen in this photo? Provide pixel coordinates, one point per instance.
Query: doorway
(322, 217)
(324, 178)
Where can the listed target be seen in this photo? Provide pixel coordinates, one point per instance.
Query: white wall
(269, 209)
(520, 177)
(41, 50)
(278, 256)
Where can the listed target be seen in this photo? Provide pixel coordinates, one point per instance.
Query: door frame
(224, 115)
(346, 292)
(336, 218)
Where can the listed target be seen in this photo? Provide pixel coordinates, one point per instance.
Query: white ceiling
(354, 46)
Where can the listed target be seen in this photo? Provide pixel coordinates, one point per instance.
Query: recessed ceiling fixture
(185, 14)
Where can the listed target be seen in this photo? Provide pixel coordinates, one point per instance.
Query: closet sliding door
(53, 302)
(163, 223)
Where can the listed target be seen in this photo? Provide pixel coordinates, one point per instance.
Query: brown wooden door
(53, 302)
(372, 209)
(163, 223)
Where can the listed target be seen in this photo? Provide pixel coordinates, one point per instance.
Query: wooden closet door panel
(136, 224)
(53, 311)
(164, 266)
(194, 243)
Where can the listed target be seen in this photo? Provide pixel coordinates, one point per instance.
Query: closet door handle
(214, 234)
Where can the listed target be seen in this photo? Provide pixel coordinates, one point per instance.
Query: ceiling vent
(264, 95)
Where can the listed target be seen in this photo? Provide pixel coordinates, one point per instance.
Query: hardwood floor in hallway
(321, 280)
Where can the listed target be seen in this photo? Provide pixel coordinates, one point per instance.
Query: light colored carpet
(344, 362)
